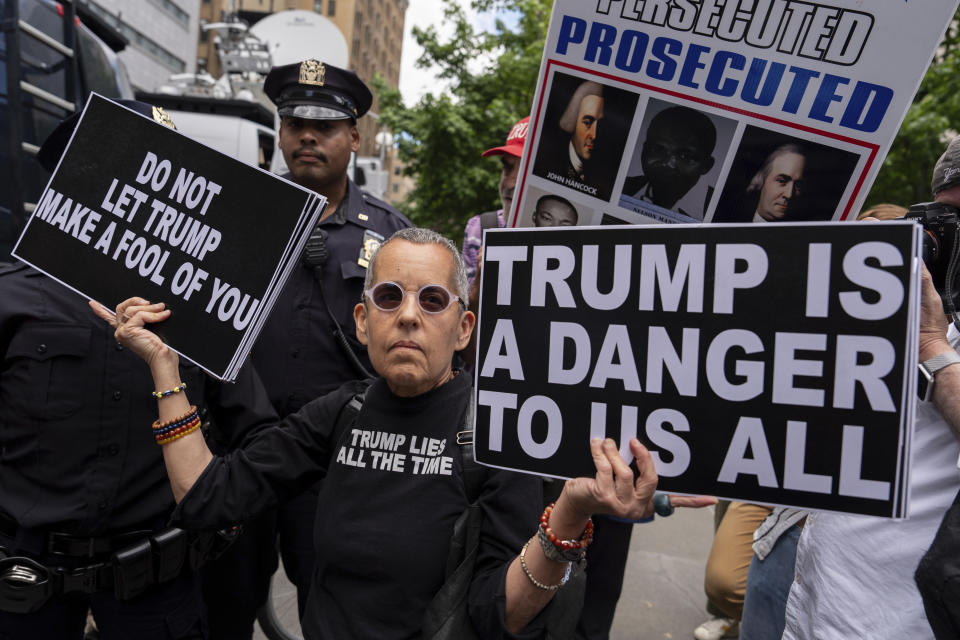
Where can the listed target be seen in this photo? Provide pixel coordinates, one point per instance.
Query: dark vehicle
(53, 55)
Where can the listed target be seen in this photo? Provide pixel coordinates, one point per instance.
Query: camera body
(941, 226)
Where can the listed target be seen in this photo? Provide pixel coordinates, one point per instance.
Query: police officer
(84, 497)
(301, 353)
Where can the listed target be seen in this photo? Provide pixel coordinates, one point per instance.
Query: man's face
(553, 213)
(317, 152)
(410, 348)
(585, 132)
(781, 186)
(673, 160)
(510, 167)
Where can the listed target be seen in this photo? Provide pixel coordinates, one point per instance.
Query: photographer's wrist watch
(928, 372)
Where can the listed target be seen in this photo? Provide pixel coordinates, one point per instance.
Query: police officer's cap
(52, 148)
(318, 91)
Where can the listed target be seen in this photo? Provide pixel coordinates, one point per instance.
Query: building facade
(373, 30)
(161, 34)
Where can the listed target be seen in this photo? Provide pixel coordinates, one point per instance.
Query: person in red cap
(509, 155)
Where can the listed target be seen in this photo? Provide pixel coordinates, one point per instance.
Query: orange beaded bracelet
(186, 432)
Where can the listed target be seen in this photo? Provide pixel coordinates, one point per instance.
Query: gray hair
(568, 121)
(418, 235)
(756, 182)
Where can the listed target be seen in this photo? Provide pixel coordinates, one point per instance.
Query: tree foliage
(442, 136)
(933, 118)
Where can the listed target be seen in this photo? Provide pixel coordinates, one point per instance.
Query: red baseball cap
(515, 140)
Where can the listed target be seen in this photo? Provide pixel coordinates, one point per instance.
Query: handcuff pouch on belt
(26, 585)
(133, 569)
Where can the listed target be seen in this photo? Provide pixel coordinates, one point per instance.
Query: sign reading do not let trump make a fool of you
(162, 216)
(755, 364)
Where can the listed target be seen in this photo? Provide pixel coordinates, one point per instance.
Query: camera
(941, 249)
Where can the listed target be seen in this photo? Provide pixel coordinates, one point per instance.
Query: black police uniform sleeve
(7, 325)
(239, 410)
(276, 463)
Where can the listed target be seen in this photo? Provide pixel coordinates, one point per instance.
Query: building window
(174, 11)
(332, 8)
(148, 46)
(396, 188)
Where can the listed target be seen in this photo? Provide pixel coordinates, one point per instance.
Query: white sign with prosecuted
(719, 111)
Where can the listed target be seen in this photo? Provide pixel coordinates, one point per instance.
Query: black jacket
(77, 454)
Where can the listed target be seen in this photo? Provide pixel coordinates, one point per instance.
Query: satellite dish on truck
(293, 36)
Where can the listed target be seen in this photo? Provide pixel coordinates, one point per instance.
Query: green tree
(929, 124)
(442, 136)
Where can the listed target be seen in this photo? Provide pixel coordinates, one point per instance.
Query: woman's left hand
(614, 490)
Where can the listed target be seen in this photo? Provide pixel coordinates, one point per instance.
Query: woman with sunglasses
(392, 488)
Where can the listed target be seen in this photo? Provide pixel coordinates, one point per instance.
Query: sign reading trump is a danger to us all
(760, 363)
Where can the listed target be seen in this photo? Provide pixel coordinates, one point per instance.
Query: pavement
(662, 594)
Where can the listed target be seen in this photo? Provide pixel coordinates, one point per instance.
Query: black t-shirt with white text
(392, 493)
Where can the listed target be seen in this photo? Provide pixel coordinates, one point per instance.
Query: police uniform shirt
(77, 454)
(296, 355)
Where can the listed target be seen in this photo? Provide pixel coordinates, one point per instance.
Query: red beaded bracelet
(190, 426)
(179, 433)
(565, 545)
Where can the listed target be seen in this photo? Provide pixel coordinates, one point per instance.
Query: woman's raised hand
(614, 490)
(129, 323)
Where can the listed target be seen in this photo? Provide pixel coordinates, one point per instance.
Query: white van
(237, 137)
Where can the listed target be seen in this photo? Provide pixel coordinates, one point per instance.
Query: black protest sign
(135, 208)
(763, 363)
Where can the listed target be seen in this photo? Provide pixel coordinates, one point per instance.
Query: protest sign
(755, 364)
(704, 110)
(135, 208)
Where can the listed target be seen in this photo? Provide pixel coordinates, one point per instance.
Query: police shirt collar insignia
(161, 116)
(312, 72)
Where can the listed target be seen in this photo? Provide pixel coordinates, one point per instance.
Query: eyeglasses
(432, 298)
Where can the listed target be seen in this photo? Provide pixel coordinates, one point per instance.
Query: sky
(421, 13)
(414, 82)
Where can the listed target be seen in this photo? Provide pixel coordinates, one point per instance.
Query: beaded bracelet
(180, 431)
(188, 431)
(563, 550)
(176, 425)
(185, 418)
(551, 552)
(169, 431)
(169, 392)
(534, 581)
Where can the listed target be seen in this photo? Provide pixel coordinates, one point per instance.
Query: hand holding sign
(132, 316)
(613, 490)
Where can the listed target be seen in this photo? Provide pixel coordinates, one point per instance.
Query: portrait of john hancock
(584, 133)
